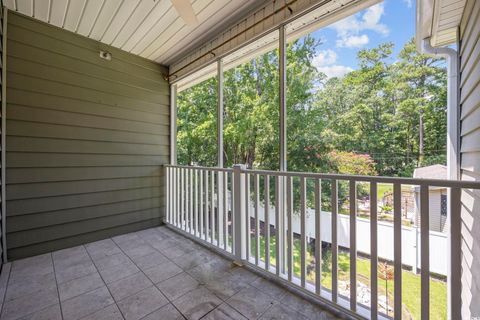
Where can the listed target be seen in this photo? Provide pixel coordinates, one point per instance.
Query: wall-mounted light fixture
(105, 55)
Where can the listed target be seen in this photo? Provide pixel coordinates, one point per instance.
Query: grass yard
(410, 281)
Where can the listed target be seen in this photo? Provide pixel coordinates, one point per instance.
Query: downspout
(453, 159)
(453, 173)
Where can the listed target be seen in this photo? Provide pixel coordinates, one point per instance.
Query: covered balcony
(155, 162)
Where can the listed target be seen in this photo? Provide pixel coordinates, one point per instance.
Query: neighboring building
(437, 197)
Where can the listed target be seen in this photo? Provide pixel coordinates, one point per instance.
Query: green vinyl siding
(86, 139)
(469, 55)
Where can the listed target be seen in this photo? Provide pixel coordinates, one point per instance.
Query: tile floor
(154, 274)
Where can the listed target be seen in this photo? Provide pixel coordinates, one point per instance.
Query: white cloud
(353, 41)
(349, 29)
(335, 71)
(408, 3)
(325, 58)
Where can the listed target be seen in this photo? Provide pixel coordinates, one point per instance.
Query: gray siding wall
(470, 156)
(85, 139)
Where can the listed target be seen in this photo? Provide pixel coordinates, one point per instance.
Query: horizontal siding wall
(85, 139)
(470, 156)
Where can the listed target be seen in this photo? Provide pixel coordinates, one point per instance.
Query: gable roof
(436, 171)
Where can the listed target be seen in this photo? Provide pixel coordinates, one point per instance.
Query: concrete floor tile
(142, 303)
(32, 284)
(86, 304)
(76, 287)
(269, 288)
(64, 274)
(251, 302)
(50, 313)
(177, 286)
(163, 272)
(224, 312)
(279, 312)
(118, 272)
(128, 286)
(168, 312)
(150, 260)
(29, 304)
(111, 261)
(101, 249)
(197, 303)
(108, 313)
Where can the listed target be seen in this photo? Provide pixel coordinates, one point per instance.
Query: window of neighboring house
(443, 200)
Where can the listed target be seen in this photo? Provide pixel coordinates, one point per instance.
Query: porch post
(283, 150)
(239, 218)
(173, 124)
(454, 280)
(220, 207)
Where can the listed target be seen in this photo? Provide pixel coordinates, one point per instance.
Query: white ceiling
(148, 28)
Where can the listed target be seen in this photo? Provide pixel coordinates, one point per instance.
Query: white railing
(199, 202)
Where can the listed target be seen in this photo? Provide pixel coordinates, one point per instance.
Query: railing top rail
(334, 176)
(379, 179)
(217, 169)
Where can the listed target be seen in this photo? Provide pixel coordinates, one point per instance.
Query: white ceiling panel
(110, 8)
(74, 12)
(155, 32)
(41, 9)
(25, 6)
(149, 28)
(121, 17)
(89, 16)
(140, 13)
(58, 11)
(148, 24)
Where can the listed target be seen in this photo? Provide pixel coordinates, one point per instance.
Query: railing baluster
(190, 175)
(278, 232)
(373, 252)
(353, 245)
(397, 248)
(334, 204)
(232, 206)
(207, 210)
(195, 230)
(175, 211)
(303, 241)
(257, 218)
(290, 229)
(220, 211)
(318, 238)
(266, 225)
(182, 194)
(201, 204)
(167, 195)
(212, 208)
(425, 251)
(247, 213)
(186, 198)
(225, 210)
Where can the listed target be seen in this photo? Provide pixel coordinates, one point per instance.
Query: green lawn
(383, 188)
(410, 281)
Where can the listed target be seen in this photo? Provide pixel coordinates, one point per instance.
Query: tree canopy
(367, 122)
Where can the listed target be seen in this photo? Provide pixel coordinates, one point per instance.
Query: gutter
(454, 301)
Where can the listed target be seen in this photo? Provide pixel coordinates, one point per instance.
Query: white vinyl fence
(410, 238)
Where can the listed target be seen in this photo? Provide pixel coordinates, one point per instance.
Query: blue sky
(391, 20)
